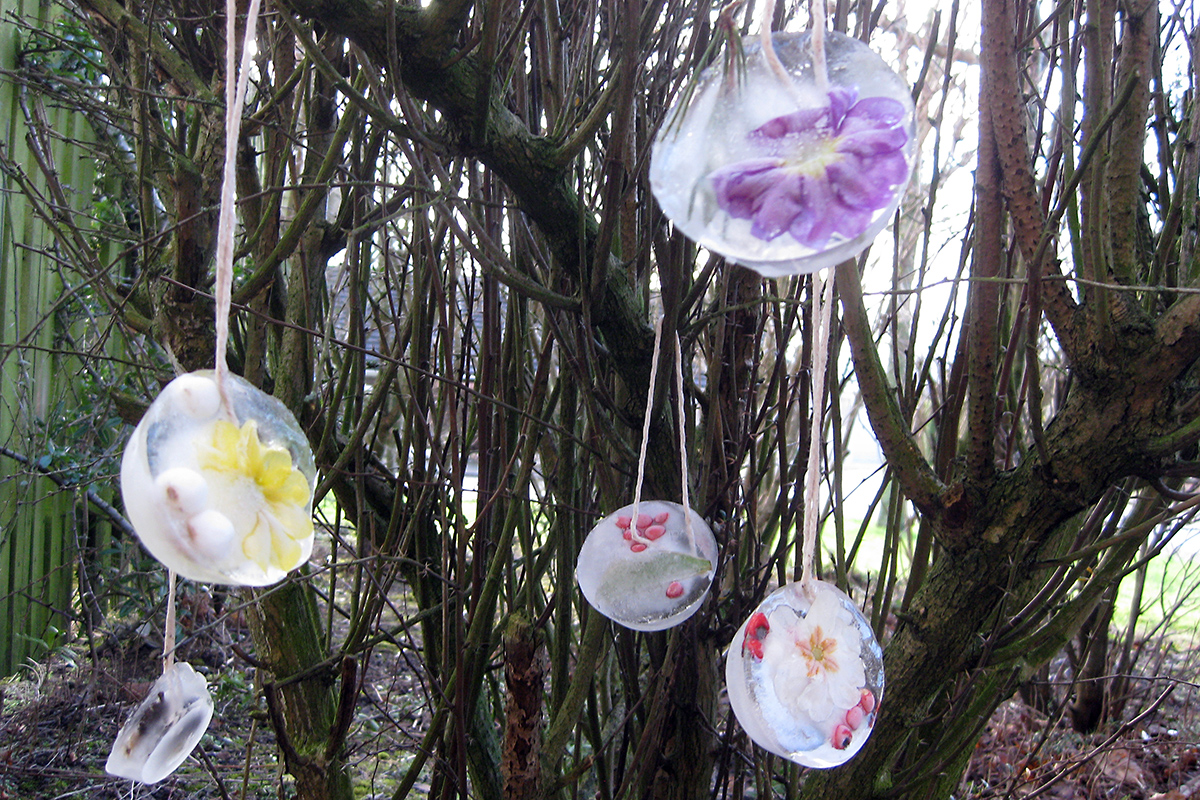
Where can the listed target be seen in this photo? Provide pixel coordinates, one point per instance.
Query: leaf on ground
(1118, 765)
(1187, 791)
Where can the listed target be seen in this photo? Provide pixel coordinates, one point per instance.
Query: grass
(1170, 602)
(1170, 596)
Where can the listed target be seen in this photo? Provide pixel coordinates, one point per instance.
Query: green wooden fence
(39, 517)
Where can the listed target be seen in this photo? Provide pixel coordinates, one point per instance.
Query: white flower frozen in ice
(817, 671)
(805, 675)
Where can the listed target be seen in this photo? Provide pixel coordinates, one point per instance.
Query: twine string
(683, 463)
(822, 297)
(641, 468)
(169, 633)
(817, 43)
(768, 46)
(235, 98)
(820, 69)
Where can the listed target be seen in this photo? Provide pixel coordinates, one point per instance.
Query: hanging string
(817, 43)
(169, 633)
(683, 463)
(641, 469)
(768, 46)
(235, 98)
(820, 70)
(822, 297)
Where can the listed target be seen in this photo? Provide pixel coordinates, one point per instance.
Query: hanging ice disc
(782, 176)
(220, 498)
(165, 727)
(805, 675)
(643, 572)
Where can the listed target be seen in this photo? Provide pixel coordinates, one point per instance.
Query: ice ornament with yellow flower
(220, 492)
(805, 675)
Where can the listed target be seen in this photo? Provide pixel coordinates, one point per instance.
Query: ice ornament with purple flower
(783, 176)
(805, 675)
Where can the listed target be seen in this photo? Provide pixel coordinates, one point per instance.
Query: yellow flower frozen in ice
(261, 491)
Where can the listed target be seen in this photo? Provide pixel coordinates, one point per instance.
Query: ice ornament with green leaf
(643, 568)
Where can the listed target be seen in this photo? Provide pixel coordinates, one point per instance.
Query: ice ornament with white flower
(641, 568)
(805, 675)
(218, 485)
(165, 727)
(787, 175)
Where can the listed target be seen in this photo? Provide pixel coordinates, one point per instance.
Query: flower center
(818, 652)
(811, 155)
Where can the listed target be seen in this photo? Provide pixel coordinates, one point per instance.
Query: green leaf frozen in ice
(624, 579)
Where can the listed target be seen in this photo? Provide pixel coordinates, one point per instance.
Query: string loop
(822, 299)
(235, 99)
(683, 462)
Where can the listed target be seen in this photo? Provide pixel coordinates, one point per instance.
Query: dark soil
(58, 720)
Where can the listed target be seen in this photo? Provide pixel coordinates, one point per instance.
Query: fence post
(38, 521)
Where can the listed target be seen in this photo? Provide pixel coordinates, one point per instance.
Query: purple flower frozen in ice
(822, 171)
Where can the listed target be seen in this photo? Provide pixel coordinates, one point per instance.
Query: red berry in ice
(756, 630)
(842, 736)
(854, 717)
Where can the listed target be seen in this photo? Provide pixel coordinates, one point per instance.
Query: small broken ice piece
(779, 175)
(642, 570)
(805, 675)
(220, 497)
(165, 727)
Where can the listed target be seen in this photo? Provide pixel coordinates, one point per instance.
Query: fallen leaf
(1118, 765)
(1187, 791)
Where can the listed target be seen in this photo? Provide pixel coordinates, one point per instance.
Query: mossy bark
(301, 690)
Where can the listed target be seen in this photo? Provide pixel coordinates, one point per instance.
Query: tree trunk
(300, 689)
